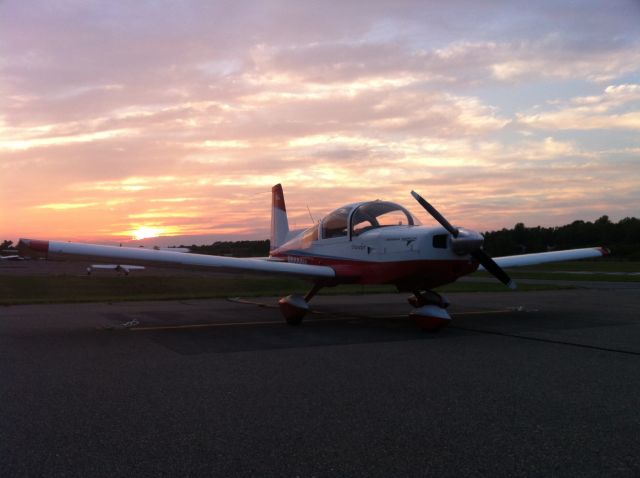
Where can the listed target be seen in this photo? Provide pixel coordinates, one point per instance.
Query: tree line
(622, 238)
(234, 248)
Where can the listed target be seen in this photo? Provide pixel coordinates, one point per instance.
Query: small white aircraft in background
(12, 258)
(125, 269)
(11, 255)
(371, 242)
(118, 268)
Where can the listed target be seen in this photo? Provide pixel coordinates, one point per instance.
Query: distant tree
(623, 238)
(234, 248)
(6, 245)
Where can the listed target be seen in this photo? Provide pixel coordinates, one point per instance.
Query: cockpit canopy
(355, 219)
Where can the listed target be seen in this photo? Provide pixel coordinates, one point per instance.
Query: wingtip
(27, 247)
(512, 285)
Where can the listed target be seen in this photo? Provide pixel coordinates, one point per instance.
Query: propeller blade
(493, 268)
(481, 256)
(436, 215)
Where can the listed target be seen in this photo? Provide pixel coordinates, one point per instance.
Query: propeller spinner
(464, 241)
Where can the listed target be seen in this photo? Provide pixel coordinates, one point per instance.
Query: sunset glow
(139, 120)
(143, 232)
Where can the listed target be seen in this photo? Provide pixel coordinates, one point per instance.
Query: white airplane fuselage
(407, 256)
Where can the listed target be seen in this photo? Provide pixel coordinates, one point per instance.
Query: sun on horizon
(145, 232)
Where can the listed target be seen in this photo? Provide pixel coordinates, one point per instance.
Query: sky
(121, 120)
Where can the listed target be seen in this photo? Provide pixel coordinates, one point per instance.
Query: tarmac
(521, 384)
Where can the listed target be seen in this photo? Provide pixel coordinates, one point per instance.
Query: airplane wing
(544, 257)
(149, 257)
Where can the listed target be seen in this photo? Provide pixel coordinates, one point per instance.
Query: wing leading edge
(150, 257)
(553, 256)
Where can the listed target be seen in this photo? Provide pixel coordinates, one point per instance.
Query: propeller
(467, 242)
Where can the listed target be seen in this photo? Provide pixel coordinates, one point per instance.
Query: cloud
(618, 107)
(181, 115)
(460, 62)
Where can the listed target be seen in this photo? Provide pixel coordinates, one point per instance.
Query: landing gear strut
(294, 307)
(430, 310)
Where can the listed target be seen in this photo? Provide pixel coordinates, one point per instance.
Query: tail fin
(279, 221)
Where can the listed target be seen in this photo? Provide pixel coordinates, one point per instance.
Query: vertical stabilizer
(279, 221)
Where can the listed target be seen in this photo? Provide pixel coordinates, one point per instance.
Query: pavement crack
(550, 341)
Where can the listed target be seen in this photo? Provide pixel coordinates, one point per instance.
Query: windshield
(376, 214)
(335, 224)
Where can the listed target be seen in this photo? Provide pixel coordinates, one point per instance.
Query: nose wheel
(429, 311)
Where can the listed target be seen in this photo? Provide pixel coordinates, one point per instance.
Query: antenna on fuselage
(313, 221)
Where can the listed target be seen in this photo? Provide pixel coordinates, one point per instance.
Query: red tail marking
(278, 197)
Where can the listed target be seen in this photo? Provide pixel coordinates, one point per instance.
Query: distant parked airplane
(119, 268)
(11, 255)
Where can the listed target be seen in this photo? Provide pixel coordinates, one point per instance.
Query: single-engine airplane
(371, 242)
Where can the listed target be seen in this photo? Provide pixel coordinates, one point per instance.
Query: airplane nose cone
(466, 242)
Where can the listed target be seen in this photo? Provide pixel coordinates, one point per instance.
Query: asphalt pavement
(522, 384)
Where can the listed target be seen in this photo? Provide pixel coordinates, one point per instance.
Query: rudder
(279, 220)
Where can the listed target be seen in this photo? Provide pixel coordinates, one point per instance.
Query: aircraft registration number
(297, 260)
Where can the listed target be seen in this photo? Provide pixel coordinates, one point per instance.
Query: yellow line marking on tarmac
(200, 326)
(273, 322)
(480, 312)
(222, 324)
(239, 300)
(457, 314)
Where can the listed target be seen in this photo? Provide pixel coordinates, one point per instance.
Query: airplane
(118, 268)
(11, 255)
(12, 258)
(370, 242)
(125, 269)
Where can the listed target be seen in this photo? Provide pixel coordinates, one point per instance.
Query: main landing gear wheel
(293, 308)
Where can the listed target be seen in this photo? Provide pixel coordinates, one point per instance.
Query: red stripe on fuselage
(428, 273)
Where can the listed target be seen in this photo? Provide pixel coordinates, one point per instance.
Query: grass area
(597, 265)
(61, 289)
(50, 289)
(66, 288)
